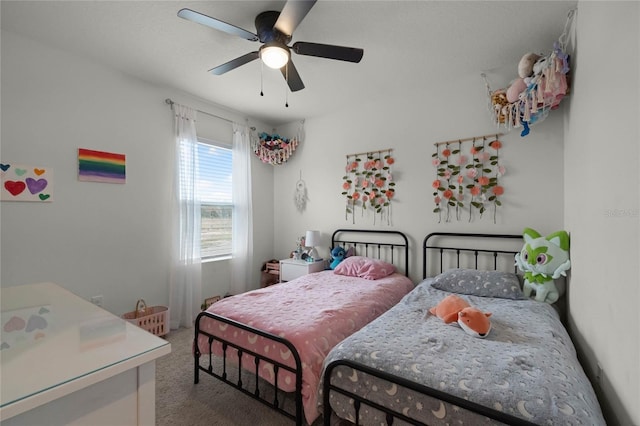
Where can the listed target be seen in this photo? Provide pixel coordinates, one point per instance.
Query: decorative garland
(274, 149)
(470, 178)
(369, 183)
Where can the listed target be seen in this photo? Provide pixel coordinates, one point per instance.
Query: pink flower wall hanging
(467, 177)
(368, 184)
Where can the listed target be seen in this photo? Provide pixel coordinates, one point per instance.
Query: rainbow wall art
(99, 166)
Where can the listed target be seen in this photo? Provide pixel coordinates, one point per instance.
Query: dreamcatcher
(300, 195)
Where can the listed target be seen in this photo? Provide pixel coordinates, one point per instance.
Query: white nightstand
(292, 268)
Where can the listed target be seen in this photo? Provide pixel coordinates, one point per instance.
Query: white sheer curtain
(242, 261)
(185, 279)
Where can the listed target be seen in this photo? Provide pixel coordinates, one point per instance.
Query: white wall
(602, 181)
(101, 239)
(411, 123)
(583, 179)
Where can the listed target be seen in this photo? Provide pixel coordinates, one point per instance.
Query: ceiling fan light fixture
(274, 55)
(275, 31)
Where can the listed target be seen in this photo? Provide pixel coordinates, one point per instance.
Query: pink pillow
(364, 267)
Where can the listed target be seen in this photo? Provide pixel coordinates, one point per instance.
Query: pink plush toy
(513, 92)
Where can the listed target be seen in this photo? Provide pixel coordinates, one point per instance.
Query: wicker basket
(154, 319)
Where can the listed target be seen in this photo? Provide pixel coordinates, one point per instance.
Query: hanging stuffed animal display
(542, 82)
(543, 260)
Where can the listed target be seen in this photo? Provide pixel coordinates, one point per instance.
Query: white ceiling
(404, 42)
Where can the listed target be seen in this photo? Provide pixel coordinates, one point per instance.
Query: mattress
(526, 367)
(314, 312)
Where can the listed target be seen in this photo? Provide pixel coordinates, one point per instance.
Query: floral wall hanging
(468, 177)
(368, 184)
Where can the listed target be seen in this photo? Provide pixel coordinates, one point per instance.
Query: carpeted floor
(213, 403)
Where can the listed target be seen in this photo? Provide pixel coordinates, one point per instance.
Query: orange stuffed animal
(472, 320)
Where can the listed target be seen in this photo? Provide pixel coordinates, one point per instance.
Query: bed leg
(196, 360)
(196, 369)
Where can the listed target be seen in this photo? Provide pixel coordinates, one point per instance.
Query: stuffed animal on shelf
(472, 320)
(525, 66)
(337, 255)
(515, 88)
(499, 102)
(543, 260)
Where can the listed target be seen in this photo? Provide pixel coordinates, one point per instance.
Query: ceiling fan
(274, 31)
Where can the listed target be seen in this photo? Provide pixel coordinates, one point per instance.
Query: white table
(66, 361)
(291, 269)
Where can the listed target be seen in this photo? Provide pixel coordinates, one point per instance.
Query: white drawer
(291, 269)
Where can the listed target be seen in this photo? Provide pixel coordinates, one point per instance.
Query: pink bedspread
(314, 312)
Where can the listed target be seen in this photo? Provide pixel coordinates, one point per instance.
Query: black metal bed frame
(442, 251)
(240, 351)
(393, 247)
(371, 248)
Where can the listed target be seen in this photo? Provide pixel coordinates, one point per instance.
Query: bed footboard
(233, 352)
(391, 415)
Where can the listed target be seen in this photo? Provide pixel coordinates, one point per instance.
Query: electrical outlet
(97, 300)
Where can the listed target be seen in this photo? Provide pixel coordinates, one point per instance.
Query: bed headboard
(390, 246)
(447, 250)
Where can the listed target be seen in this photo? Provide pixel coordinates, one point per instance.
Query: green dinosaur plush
(543, 260)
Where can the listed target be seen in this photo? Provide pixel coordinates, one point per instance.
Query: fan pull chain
(261, 77)
(286, 87)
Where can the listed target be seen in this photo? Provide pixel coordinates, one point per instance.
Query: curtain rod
(169, 102)
(496, 135)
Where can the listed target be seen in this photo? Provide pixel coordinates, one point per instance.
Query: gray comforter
(526, 367)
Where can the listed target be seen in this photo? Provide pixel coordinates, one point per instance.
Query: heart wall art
(26, 183)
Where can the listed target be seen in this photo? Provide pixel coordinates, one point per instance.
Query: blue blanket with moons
(526, 367)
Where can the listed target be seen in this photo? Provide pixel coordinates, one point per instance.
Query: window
(216, 202)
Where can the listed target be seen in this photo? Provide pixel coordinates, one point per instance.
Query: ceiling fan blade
(235, 63)
(341, 53)
(216, 24)
(290, 73)
(292, 14)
